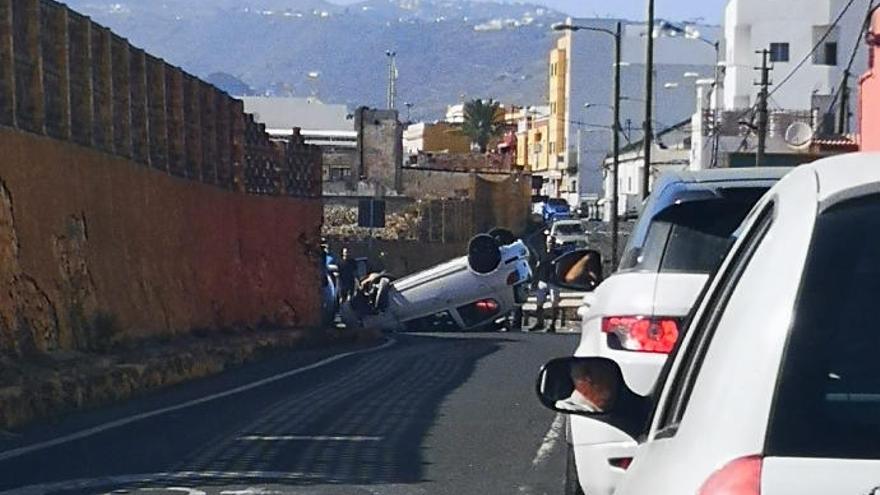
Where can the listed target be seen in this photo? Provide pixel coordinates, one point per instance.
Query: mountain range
(446, 50)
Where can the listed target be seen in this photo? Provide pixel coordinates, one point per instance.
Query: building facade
(438, 137)
(327, 126)
(581, 69)
(531, 139)
(790, 29)
(379, 158)
(670, 151)
(869, 94)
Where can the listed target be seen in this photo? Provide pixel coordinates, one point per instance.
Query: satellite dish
(798, 135)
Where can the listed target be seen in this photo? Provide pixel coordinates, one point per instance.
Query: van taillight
(642, 334)
(738, 477)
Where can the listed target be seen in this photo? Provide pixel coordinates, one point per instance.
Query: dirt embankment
(62, 382)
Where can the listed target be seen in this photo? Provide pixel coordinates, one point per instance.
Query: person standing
(544, 290)
(347, 276)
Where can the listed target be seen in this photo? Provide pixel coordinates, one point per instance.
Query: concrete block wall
(64, 76)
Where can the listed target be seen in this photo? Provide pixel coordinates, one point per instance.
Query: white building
(670, 151)
(809, 54)
(455, 113)
(790, 29)
(584, 60)
(329, 126)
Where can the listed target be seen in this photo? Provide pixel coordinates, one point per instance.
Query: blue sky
(710, 10)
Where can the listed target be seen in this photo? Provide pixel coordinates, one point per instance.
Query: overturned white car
(475, 292)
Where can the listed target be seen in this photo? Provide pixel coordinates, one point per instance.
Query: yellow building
(557, 100)
(542, 144)
(440, 137)
(532, 151)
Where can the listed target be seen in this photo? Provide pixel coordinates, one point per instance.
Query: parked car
(555, 207)
(636, 315)
(588, 209)
(569, 235)
(774, 388)
(477, 291)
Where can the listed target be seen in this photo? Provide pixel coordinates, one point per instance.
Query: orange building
(869, 96)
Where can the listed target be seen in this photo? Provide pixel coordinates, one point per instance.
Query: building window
(552, 147)
(629, 184)
(829, 53)
(779, 52)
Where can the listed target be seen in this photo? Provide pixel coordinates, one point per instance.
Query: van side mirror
(593, 387)
(579, 270)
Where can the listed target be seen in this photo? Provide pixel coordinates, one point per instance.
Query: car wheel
(572, 483)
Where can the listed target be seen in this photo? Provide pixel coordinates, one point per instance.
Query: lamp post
(615, 126)
(649, 99)
(690, 33)
(392, 78)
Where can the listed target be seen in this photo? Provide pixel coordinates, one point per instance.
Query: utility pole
(615, 149)
(392, 78)
(843, 111)
(763, 95)
(716, 104)
(649, 99)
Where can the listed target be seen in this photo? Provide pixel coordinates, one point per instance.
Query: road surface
(420, 414)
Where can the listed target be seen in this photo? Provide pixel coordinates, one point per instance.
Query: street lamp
(669, 29)
(408, 106)
(615, 126)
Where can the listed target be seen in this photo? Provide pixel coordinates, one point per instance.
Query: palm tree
(483, 120)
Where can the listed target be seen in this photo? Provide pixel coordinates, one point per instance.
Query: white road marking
(315, 438)
(141, 479)
(249, 491)
(550, 440)
(186, 491)
(9, 454)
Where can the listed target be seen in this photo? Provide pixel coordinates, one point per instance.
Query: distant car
(555, 207)
(587, 209)
(635, 316)
(774, 388)
(475, 292)
(569, 235)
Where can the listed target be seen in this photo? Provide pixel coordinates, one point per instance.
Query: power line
(841, 89)
(796, 68)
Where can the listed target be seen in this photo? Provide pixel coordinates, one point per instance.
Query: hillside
(446, 48)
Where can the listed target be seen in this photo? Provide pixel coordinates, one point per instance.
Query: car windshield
(568, 229)
(691, 237)
(828, 399)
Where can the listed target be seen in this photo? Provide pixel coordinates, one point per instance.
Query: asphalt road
(422, 414)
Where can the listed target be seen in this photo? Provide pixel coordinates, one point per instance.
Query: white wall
(751, 25)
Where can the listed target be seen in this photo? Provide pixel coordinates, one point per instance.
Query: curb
(97, 380)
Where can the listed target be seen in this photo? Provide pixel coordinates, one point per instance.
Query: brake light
(486, 306)
(739, 477)
(621, 462)
(641, 334)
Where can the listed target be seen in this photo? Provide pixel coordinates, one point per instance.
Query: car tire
(484, 254)
(572, 483)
